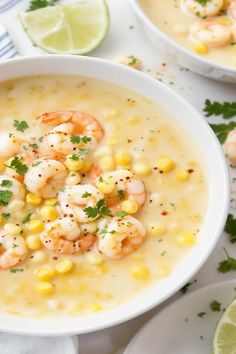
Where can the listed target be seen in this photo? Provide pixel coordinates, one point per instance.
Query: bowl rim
(98, 321)
(181, 49)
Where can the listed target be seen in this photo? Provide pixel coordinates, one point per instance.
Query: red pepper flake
(190, 170)
(164, 213)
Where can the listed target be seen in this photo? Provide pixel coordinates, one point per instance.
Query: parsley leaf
(203, 2)
(201, 314)
(228, 264)
(27, 218)
(185, 288)
(230, 228)
(20, 126)
(100, 209)
(17, 270)
(18, 166)
(6, 183)
(5, 197)
(76, 139)
(78, 155)
(225, 109)
(86, 195)
(222, 130)
(215, 306)
(91, 212)
(39, 4)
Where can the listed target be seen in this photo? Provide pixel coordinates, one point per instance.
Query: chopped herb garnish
(222, 130)
(226, 109)
(86, 195)
(203, 2)
(215, 306)
(201, 314)
(35, 164)
(101, 180)
(6, 183)
(6, 215)
(101, 209)
(5, 196)
(18, 166)
(39, 4)
(105, 232)
(228, 264)
(132, 60)
(121, 213)
(17, 270)
(20, 126)
(76, 139)
(121, 194)
(27, 218)
(78, 155)
(185, 288)
(33, 146)
(230, 228)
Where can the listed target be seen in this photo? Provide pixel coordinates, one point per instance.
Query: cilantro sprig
(6, 183)
(76, 139)
(222, 130)
(215, 306)
(39, 4)
(228, 264)
(5, 196)
(230, 228)
(226, 109)
(100, 209)
(20, 126)
(17, 165)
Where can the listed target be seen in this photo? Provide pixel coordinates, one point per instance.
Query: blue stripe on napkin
(7, 4)
(7, 48)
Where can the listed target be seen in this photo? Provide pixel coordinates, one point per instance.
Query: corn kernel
(49, 213)
(157, 229)
(35, 225)
(186, 238)
(86, 166)
(33, 242)
(64, 266)
(44, 288)
(165, 165)
(140, 272)
(112, 140)
(130, 206)
(200, 48)
(96, 307)
(73, 179)
(1, 219)
(74, 164)
(12, 229)
(38, 257)
(95, 258)
(181, 175)
(33, 199)
(16, 204)
(123, 158)
(90, 227)
(164, 271)
(45, 273)
(105, 186)
(2, 166)
(107, 163)
(142, 169)
(50, 202)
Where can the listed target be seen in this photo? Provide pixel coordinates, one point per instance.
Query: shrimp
(14, 187)
(231, 11)
(74, 201)
(195, 8)
(12, 250)
(64, 236)
(126, 187)
(11, 144)
(212, 33)
(87, 130)
(119, 237)
(230, 146)
(45, 177)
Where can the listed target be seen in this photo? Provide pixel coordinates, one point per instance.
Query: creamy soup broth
(174, 208)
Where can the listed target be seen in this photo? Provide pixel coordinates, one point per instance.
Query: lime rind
(71, 28)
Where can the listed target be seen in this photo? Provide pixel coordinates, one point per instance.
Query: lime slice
(224, 341)
(71, 28)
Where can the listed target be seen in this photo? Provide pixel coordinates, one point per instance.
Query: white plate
(178, 329)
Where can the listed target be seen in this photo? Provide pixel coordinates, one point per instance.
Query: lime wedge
(71, 28)
(224, 341)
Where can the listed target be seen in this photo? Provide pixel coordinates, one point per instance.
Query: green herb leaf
(18, 166)
(222, 130)
(225, 109)
(20, 126)
(230, 228)
(86, 195)
(215, 306)
(91, 212)
(39, 4)
(27, 218)
(17, 270)
(121, 213)
(121, 194)
(6, 183)
(101, 209)
(6, 215)
(5, 197)
(201, 314)
(228, 264)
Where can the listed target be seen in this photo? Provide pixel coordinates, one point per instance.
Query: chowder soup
(91, 203)
(207, 28)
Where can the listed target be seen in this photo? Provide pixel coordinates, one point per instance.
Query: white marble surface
(125, 37)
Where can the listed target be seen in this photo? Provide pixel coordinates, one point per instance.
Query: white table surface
(126, 38)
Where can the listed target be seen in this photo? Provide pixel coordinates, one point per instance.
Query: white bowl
(217, 175)
(183, 56)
